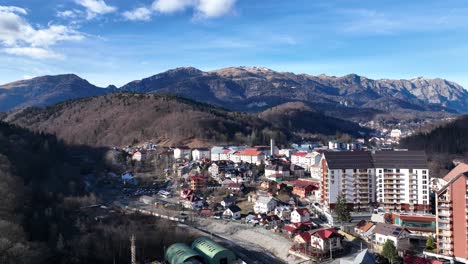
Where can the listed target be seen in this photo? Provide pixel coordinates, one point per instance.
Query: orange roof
(461, 168)
(366, 227)
(305, 236)
(249, 152)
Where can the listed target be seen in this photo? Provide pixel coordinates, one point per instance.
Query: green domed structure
(180, 253)
(212, 252)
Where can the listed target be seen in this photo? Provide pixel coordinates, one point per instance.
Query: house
(303, 188)
(383, 232)
(217, 168)
(264, 204)
(277, 169)
(283, 212)
(364, 229)
(250, 155)
(302, 238)
(228, 201)
(237, 187)
(233, 212)
(182, 153)
(300, 215)
(192, 202)
(215, 153)
(139, 156)
(325, 238)
(197, 182)
(201, 153)
(297, 171)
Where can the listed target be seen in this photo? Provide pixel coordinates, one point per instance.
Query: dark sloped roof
(388, 229)
(400, 159)
(234, 208)
(349, 160)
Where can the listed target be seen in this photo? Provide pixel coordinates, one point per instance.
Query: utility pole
(132, 249)
(331, 251)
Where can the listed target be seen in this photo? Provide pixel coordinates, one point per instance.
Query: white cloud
(215, 8)
(96, 7)
(36, 53)
(13, 9)
(18, 37)
(202, 8)
(171, 6)
(69, 14)
(141, 13)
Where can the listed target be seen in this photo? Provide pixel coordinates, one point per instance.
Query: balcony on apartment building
(444, 219)
(444, 225)
(445, 234)
(444, 212)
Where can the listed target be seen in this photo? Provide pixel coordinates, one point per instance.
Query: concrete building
(403, 180)
(348, 173)
(251, 155)
(452, 215)
(395, 180)
(182, 153)
(201, 153)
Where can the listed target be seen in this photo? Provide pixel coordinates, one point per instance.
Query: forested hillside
(121, 119)
(451, 138)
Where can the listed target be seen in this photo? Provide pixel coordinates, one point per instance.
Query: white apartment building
(349, 173)
(403, 181)
(396, 180)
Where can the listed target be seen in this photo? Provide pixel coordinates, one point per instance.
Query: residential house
(236, 186)
(233, 212)
(197, 182)
(300, 215)
(139, 156)
(304, 188)
(297, 171)
(277, 169)
(399, 235)
(326, 238)
(283, 212)
(364, 229)
(215, 153)
(192, 202)
(201, 153)
(250, 155)
(228, 201)
(182, 153)
(264, 204)
(286, 152)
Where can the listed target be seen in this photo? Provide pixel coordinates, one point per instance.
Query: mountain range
(255, 89)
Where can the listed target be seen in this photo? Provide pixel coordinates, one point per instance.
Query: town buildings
(300, 215)
(326, 239)
(452, 215)
(250, 155)
(264, 204)
(399, 235)
(182, 153)
(201, 153)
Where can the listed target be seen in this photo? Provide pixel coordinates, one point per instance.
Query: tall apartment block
(403, 181)
(452, 215)
(349, 173)
(396, 180)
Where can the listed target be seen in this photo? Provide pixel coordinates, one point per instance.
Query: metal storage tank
(181, 253)
(212, 252)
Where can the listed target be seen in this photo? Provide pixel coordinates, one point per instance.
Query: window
(424, 172)
(343, 170)
(424, 182)
(354, 170)
(380, 171)
(397, 170)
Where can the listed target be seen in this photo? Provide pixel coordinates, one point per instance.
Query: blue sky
(116, 41)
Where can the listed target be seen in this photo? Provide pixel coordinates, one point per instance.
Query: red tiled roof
(305, 236)
(248, 152)
(290, 228)
(300, 154)
(325, 233)
(197, 178)
(304, 183)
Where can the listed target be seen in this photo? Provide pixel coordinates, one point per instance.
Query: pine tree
(430, 243)
(341, 209)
